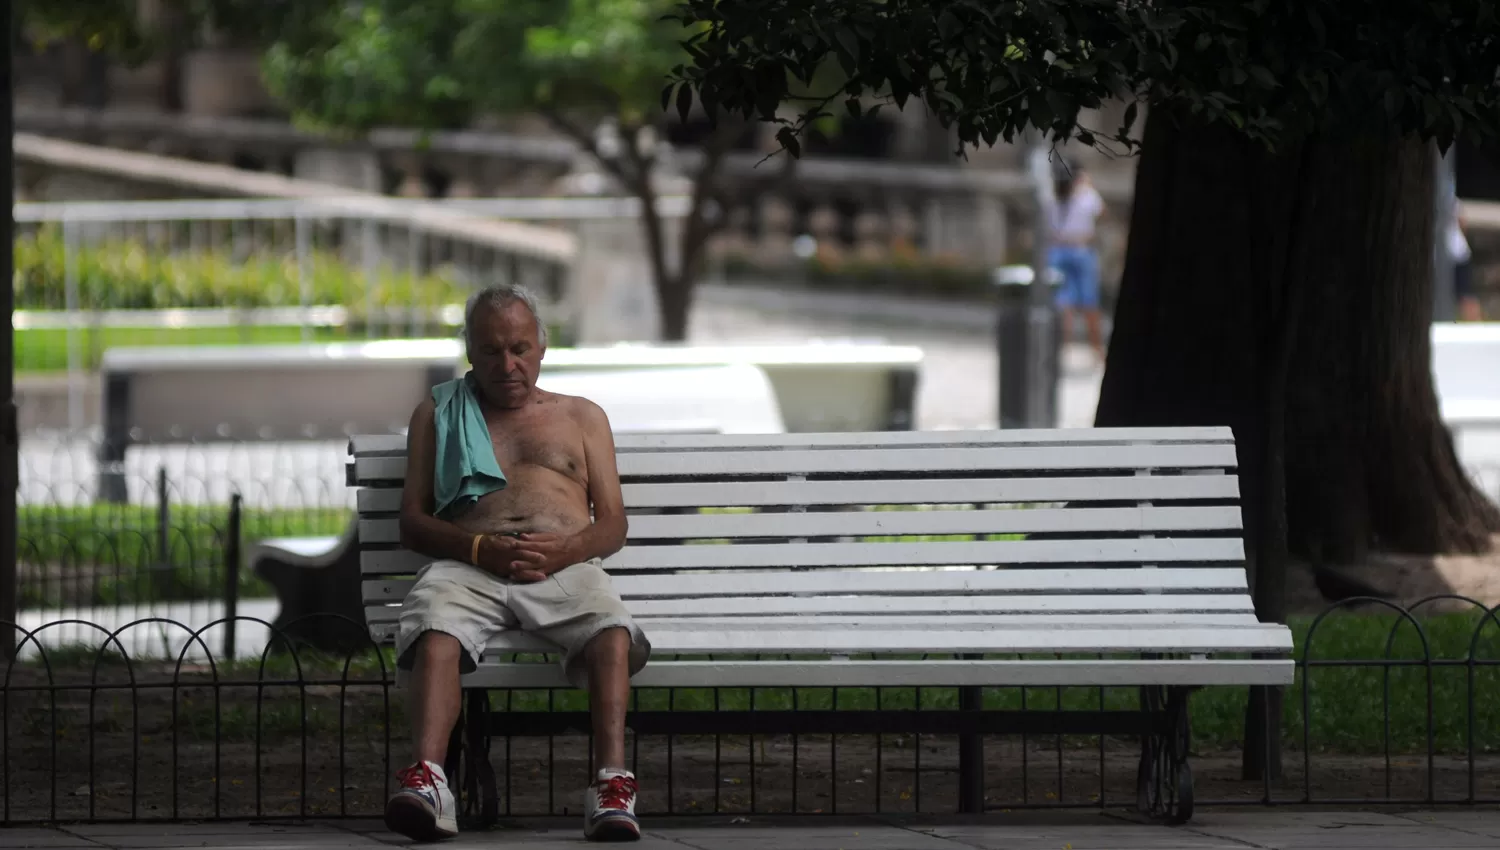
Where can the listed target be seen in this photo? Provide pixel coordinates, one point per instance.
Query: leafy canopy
(117, 27)
(1274, 70)
(439, 62)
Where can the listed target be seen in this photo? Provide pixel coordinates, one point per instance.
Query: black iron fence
(1391, 705)
(167, 549)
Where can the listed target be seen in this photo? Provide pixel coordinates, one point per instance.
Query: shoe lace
(418, 775)
(616, 792)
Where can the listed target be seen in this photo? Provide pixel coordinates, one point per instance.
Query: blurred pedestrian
(1074, 217)
(1463, 267)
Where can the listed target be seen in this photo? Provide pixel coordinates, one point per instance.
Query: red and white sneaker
(423, 808)
(609, 808)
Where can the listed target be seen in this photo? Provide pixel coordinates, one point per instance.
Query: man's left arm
(548, 553)
(606, 535)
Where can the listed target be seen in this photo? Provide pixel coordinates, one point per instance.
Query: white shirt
(1073, 219)
(1458, 246)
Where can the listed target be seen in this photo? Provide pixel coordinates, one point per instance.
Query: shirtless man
(524, 557)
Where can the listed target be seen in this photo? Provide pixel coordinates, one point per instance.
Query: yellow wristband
(474, 551)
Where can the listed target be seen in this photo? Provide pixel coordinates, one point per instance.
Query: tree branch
(585, 139)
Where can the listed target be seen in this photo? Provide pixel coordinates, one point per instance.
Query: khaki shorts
(568, 608)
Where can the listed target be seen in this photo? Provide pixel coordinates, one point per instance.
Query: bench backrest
(1087, 512)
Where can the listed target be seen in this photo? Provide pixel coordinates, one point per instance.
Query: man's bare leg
(607, 657)
(1065, 325)
(1095, 324)
(423, 807)
(1469, 310)
(435, 694)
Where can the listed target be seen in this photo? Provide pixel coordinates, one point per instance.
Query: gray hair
(500, 296)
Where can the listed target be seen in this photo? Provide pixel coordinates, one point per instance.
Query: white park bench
(1085, 558)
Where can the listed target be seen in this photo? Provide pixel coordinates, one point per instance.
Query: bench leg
(479, 784)
(1164, 781)
(971, 757)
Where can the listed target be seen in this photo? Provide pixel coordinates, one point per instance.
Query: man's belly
(536, 500)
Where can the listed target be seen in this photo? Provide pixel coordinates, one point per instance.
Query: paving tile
(1282, 830)
(1055, 830)
(1262, 829)
(229, 835)
(1486, 822)
(867, 836)
(1122, 836)
(26, 836)
(205, 828)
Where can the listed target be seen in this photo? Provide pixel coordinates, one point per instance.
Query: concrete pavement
(1240, 829)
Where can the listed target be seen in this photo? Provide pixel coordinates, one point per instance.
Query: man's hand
(540, 555)
(500, 555)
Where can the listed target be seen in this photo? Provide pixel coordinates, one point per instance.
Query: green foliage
(48, 349)
(101, 25)
(917, 276)
(125, 274)
(437, 64)
(118, 28)
(1347, 703)
(1275, 70)
(111, 555)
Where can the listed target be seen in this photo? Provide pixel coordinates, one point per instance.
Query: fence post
(371, 257)
(232, 558)
(163, 535)
(70, 304)
(304, 274)
(414, 250)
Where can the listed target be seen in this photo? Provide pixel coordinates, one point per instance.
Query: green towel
(466, 467)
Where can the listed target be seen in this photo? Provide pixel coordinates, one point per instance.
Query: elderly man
(522, 551)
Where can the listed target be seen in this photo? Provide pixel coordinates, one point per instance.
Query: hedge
(896, 276)
(127, 274)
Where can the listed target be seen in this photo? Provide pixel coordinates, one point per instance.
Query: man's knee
(439, 647)
(611, 643)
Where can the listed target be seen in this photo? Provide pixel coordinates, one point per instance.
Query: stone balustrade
(870, 211)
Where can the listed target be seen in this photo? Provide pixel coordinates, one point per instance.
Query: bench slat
(1051, 582)
(942, 553)
(977, 639)
(873, 523)
(393, 591)
(887, 492)
(385, 444)
(857, 622)
(710, 464)
(1117, 672)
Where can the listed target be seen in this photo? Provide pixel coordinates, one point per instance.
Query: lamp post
(9, 439)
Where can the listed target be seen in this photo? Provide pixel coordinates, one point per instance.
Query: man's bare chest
(556, 445)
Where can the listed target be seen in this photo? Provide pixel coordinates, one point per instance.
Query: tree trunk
(674, 301)
(1213, 249)
(1289, 296)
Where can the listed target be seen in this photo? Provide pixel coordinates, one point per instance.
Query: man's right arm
(421, 531)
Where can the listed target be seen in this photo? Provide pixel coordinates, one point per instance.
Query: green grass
(1347, 708)
(111, 554)
(41, 350)
(1346, 702)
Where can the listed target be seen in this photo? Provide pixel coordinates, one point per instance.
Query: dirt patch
(1402, 579)
(272, 750)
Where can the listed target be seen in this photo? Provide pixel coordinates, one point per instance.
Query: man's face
(505, 352)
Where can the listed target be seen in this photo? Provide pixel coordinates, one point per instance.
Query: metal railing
(93, 275)
(1390, 705)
